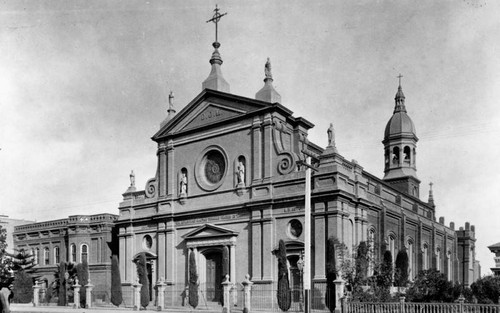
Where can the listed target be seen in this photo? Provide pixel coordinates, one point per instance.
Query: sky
(84, 86)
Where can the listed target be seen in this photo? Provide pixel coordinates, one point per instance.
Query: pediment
(209, 108)
(209, 231)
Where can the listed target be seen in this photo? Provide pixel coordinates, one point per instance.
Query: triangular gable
(209, 230)
(210, 107)
(209, 113)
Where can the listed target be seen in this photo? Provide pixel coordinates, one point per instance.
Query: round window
(295, 228)
(211, 168)
(215, 166)
(147, 242)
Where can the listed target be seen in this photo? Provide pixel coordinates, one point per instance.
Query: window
(46, 256)
(34, 252)
(371, 253)
(411, 272)
(425, 257)
(392, 245)
(438, 259)
(84, 253)
(448, 262)
(73, 253)
(56, 255)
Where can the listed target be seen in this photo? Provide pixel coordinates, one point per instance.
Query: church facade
(228, 178)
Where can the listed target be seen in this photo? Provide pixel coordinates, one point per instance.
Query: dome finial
(215, 79)
(399, 98)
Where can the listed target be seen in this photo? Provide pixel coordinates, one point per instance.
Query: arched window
(448, 263)
(392, 245)
(84, 253)
(35, 253)
(407, 154)
(395, 155)
(438, 259)
(371, 251)
(56, 255)
(46, 256)
(425, 257)
(72, 250)
(411, 257)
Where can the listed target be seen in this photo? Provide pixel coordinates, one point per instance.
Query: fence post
(226, 285)
(36, 294)
(76, 294)
(339, 293)
(88, 294)
(137, 295)
(247, 288)
(461, 301)
(160, 301)
(402, 304)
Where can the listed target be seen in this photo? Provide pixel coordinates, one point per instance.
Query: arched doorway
(150, 271)
(213, 275)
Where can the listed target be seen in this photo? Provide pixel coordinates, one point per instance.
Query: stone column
(160, 300)
(232, 271)
(402, 304)
(36, 294)
(88, 294)
(76, 295)
(226, 285)
(339, 293)
(247, 288)
(137, 295)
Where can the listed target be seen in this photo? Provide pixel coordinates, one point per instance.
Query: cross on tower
(215, 19)
(399, 76)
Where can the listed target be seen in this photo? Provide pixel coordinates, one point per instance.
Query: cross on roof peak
(215, 19)
(399, 76)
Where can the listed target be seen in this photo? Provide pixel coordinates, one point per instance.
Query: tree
(401, 272)
(487, 289)
(284, 296)
(82, 271)
(193, 281)
(430, 286)
(331, 273)
(362, 262)
(5, 274)
(116, 283)
(60, 280)
(142, 273)
(22, 287)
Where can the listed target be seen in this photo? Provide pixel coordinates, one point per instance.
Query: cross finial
(399, 76)
(430, 185)
(215, 19)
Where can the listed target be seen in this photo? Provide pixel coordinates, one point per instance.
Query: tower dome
(400, 143)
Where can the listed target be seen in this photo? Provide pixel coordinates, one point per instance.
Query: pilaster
(162, 170)
(256, 150)
(256, 252)
(267, 150)
(319, 241)
(170, 174)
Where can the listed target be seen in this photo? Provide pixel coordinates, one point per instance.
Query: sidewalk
(29, 308)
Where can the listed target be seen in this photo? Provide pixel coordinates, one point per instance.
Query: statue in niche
(240, 171)
(331, 136)
(132, 179)
(267, 69)
(183, 183)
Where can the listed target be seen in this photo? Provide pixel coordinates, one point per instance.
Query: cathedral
(229, 178)
(230, 183)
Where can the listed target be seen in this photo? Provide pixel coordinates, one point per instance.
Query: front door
(214, 276)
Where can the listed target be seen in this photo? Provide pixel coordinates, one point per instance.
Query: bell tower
(400, 149)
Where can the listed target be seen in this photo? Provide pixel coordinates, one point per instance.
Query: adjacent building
(75, 239)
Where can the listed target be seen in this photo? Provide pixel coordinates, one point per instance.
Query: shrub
(82, 272)
(22, 287)
(362, 263)
(401, 272)
(284, 296)
(116, 283)
(487, 289)
(431, 286)
(193, 281)
(331, 273)
(61, 284)
(143, 279)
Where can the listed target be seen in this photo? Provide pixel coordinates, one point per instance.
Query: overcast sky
(84, 85)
